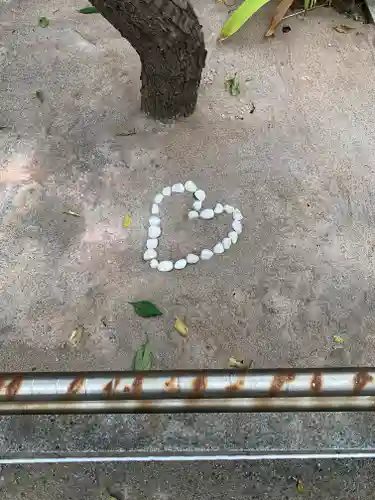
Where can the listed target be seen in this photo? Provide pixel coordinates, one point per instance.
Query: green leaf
(240, 16)
(43, 22)
(233, 85)
(143, 358)
(146, 309)
(89, 10)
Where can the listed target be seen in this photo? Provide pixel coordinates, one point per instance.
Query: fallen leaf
(143, 358)
(338, 339)
(43, 22)
(280, 12)
(233, 85)
(89, 10)
(39, 95)
(239, 363)
(299, 485)
(343, 28)
(75, 338)
(126, 221)
(181, 327)
(239, 17)
(70, 212)
(146, 309)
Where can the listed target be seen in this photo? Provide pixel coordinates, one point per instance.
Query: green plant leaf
(146, 309)
(233, 85)
(89, 10)
(143, 358)
(43, 22)
(240, 16)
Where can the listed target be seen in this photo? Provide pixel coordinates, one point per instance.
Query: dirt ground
(293, 151)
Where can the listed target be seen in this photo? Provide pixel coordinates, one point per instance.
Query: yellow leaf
(240, 16)
(280, 12)
(338, 339)
(299, 486)
(126, 221)
(76, 336)
(181, 327)
(238, 363)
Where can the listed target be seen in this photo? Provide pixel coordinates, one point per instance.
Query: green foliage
(240, 16)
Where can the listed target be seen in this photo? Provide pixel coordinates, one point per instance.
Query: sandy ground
(300, 168)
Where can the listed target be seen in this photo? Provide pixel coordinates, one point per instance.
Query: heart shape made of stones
(154, 230)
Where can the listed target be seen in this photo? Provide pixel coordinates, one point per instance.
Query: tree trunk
(169, 41)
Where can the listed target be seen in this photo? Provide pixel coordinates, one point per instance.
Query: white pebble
(190, 187)
(158, 198)
(228, 209)
(152, 243)
(233, 236)
(237, 226)
(154, 263)
(197, 205)
(206, 254)
(165, 265)
(200, 194)
(227, 243)
(155, 209)
(150, 254)
(154, 220)
(178, 188)
(154, 232)
(218, 248)
(237, 214)
(219, 209)
(180, 264)
(208, 213)
(191, 258)
(167, 191)
(193, 214)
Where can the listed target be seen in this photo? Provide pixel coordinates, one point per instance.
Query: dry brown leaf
(343, 28)
(181, 327)
(280, 12)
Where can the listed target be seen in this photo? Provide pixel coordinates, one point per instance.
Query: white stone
(193, 214)
(237, 226)
(155, 209)
(167, 191)
(197, 205)
(233, 236)
(228, 209)
(219, 209)
(237, 214)
(154, 220)
(152, 243)
(165, 265)
(154, 232)
(200, 194)
(206, 254)
(191, 258)
(190, 186)
(154, 263)
(218, 248)
(227, 243)
(158, 198)
(150, 254)
(208, 213)
(180, 264)
(178, 188)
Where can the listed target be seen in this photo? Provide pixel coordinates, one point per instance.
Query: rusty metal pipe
(189, 391)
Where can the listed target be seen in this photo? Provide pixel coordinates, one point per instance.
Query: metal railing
(328, 389)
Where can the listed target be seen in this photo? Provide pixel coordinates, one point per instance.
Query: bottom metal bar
(202, 457)
(284, 404)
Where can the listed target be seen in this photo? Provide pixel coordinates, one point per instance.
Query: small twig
(303, 11)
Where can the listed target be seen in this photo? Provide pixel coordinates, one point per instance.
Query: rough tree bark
(169, 41)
